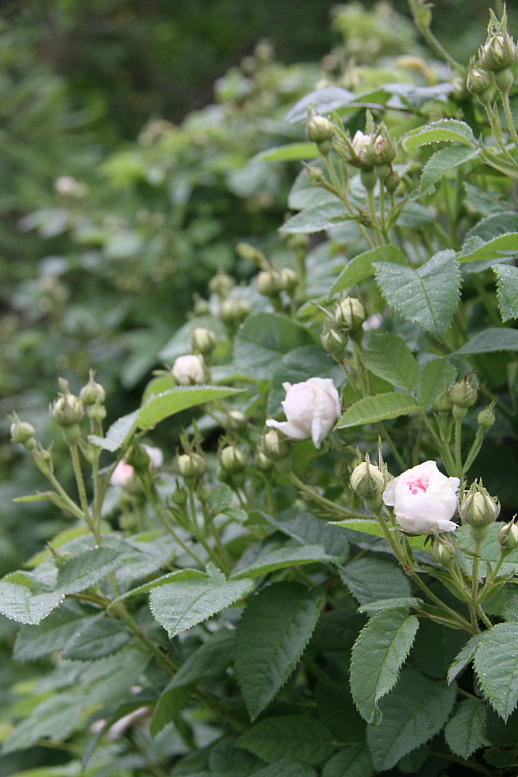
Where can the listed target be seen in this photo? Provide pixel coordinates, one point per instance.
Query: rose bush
(299, 597)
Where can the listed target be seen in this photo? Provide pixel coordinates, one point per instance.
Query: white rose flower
(311, 407)
(423, 499)
(189, 370)
(361, 144)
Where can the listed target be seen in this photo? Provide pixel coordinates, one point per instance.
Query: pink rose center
(419, 484)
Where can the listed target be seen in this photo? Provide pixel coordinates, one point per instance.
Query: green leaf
(496, 667)
(436, 375)
(496, 224)
(491, 340)
(371, 526)
(413, 713)
(370, 579)
(54, 718)
(229, 760)
(391, 604)
(85, 569)
(476, 250)
(210, 660)
(427, 295)
(315, 219)
(290, 556)
(286, 768)
(304, 194)
(161, 406)
(413, 215)
(465, 732)
(182, 605)
(377, 657)
(325, 100)
(442, 163)
(351, 761)
(271, 636)
(444, 130)
(507, 290)
(96, 638)
(362, 266)
(180, 574)
(291, 152)
(380, 407)
(52, 634)
(262, 341)
(389, 357)
(309, 530)
(294, 737)
(20, 604)
(118, 434)
(299, 365)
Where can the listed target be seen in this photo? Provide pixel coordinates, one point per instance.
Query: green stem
(83, 499)
(314, 496)
(509, 117)
(458, 448)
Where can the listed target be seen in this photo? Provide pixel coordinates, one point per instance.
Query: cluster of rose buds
(496, 58)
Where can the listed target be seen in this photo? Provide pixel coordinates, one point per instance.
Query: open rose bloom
(311, 408)
(424, 500)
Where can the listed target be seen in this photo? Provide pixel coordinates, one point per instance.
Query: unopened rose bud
(200, 306)
(275, 445)
(191, 466)
(349, 314)
(382, 150)
(368, 481)
(443, 402)
(233, 311)
(315, 175)
(23, 433)
(498, 52)
(269, 283)
(144, 457)
(203, 341)
(319, 129)
(92, 393)
(221, 284)
(504, 79)
(392, 181)
(478, 508)
(478, 80)
(334, 342)
(486, 418)
(236, 420)
(442, 551)
(262, 462)
(232, 459)
(67, 410)
(463, 393)
(508, 536)
(289, 279)
(189, 370)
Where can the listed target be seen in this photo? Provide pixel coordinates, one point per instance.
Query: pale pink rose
(190, 369)
(424, 500)
(311, 408)
(122, 474)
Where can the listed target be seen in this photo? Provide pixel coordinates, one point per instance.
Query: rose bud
(189, 370)
(23, 433)
(232, 459)
(203, 341)
(478, 508)
(221, 284)
(269, 283)
(233, 311)
(361, 147)
(368, 481)
(424, 500)
(498, 52)
(319, 129)
(67, 410)
(274, 445)
(478, 80)
(312, 408)
(349, 314)
(508, 536)
(92, 393)
(190, 466)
